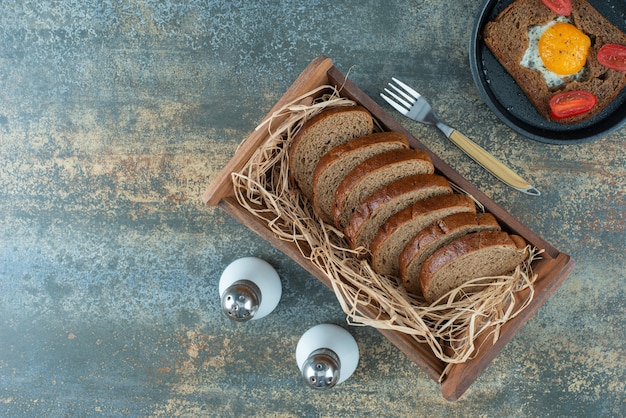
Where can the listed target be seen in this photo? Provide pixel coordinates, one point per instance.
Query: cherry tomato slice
(613, 56)
(561, 7)
(571, 103)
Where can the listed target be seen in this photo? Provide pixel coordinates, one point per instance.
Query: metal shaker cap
(241, 300)
(321, 369)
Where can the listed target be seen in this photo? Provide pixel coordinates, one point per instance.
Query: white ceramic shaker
(250, 288)
(326, 355)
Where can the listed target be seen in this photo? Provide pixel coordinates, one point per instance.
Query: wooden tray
(552, 268)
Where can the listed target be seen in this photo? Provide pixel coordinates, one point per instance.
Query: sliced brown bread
(472, 256)
(333, 167)
(319, 134)
(374, 173)
(435, 236)
(389, 200)
(507, 38)
(395, 233)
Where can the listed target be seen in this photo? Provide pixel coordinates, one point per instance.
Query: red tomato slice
(571, 103)
(561, 7)
(613, 56)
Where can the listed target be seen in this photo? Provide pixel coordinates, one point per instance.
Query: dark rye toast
(389, 200)
(337, 163)
(476, 255)
(319, 135)
(436, 235)
(393, 236)
(373, 174)
(507, 38)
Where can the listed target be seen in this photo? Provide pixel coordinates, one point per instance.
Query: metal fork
(412, 105)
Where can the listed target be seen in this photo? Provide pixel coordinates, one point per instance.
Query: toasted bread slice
(373, 174)
(337, 163)
(435, 236)
(319, 135)
(472, 256)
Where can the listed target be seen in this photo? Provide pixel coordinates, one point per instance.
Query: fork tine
(415, 94)
(411, 99)
(395, 105)
(399, 99)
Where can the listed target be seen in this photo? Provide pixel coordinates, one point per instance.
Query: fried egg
(558, 50)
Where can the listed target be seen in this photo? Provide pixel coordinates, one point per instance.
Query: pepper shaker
(326, 355)
(250, 288)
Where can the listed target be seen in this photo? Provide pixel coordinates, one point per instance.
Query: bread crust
(507, 38)
(413, 217)
(433, 237)
(468, 245)
(345, 157)
(368, 210)
(325, 124)
(370, 167)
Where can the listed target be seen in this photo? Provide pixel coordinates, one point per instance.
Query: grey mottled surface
(114, 118)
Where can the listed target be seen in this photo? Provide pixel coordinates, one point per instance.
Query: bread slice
(389, 200)
(319, 134)
(396, 232)
(472, 256)
(374, 173)
(507, 38)
(435, 236)
(333, 167)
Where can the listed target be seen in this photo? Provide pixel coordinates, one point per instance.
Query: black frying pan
(503, 96)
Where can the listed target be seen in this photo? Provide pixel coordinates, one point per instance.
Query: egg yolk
(563, 48)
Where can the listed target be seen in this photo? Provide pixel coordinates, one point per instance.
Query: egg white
(533, 61)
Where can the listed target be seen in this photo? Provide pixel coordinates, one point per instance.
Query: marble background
(114, 118)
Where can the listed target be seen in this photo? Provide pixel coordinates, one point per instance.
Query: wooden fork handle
(491, 164)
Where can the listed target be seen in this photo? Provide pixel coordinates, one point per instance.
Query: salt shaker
(250, 288)
(326, 355)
